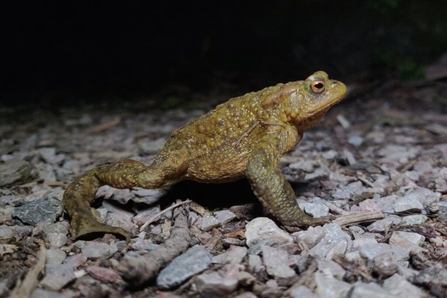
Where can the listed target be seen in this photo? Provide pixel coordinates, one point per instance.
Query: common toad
(243, 137)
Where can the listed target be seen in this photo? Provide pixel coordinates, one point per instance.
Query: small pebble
(96, 250)
(213, 285)
(193, 261)
(264, 230)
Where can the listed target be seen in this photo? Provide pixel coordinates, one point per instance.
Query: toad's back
(219, 143)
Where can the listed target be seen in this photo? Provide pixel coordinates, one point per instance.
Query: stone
(277, 263)
(309, 238)
(400, 287)
(42, 293)
(335, 241)
(105, 274)
(97, 250)
(48, 154)
(55, 256)
(414, 220)
(35, 211)
(369, 290)
(6, 233)
(255, 264)
(302, 292)
(263, 231)
(232, 256)
(385, 264)
(193, 261)
(408, 204)
(209, 222)
(316, 209)
(330, 268)
(408, 241)
(15, 171)
(57, 276)
(214, 285)
(75, 261)
(385, 224)
(224, 216)
(330, 287)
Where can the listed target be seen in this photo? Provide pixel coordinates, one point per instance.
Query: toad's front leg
(273, 190)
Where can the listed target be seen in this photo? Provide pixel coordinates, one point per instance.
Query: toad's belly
(217, 169)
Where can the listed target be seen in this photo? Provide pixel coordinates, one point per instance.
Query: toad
(241, 138)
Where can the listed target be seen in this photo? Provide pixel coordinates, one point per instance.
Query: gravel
(348, 165)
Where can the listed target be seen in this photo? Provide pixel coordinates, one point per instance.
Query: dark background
(99, 50)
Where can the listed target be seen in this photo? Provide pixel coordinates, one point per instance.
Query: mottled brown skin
(243, 137)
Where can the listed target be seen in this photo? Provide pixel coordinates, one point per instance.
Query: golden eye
(317, 86)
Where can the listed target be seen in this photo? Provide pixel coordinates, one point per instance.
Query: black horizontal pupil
(318, 85)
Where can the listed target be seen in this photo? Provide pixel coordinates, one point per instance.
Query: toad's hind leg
(274, 192)
(122, 174)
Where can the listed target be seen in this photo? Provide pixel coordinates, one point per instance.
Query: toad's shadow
(217, 195)
(211, 195)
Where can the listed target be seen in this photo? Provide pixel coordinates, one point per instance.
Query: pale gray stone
(400, 287)
(263, 231)
(372, 250)
(385, 264)
(334, 241)
(408, 203)
(55, 256)
(316, 209)
(6, 233)
(415, 238)
(302, 292)
(330, 287)
(277, 263)
(75, 261)
(355, 140)
(214, 285)
(385, 224)
(370, 290)
(255, 264)
(42, 293)
(310, 237)
(193, 261)
(246, 295)
(48, 154)
(414, 220)
(209, 222)
(57, 276)
(140, 244)
(148, 196)
(330, 268)
(96, 250)
(302, 165)
(407, 240)
(57, 239)
(424, 195)
(224, 216)
(232, 256)
(14, 171)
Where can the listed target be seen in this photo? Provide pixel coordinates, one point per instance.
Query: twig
(153, 218)
(358, 218)
(103, 126)
(23, 289)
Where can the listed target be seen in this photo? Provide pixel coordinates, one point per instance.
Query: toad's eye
(317, 86)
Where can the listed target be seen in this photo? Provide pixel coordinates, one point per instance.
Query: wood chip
(23, 289)
(358, 218)
(103, 126)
